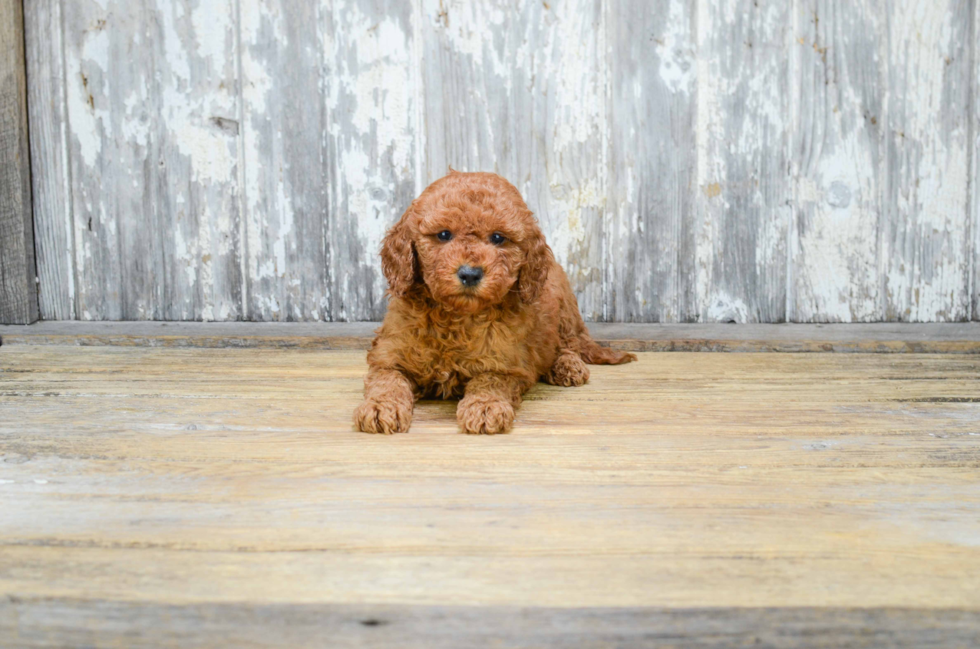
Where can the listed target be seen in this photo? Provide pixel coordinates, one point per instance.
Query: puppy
(478, 310)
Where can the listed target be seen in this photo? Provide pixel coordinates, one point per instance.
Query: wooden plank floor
(204, 497)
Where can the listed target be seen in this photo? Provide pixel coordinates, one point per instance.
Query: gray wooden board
(975, 161)
(29, 623)
(49, 155)
(837, 132)
(371, 79)
(925, 230)
(18, 291)
(745, 86)
(885, 338)
(709, 161)
(284, 160)
(649, 272)
(151, 101)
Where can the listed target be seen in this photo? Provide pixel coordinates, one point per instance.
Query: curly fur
(488, 344)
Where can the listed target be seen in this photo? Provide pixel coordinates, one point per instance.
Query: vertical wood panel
(467, 100)
(329, 152)
(93, 169)
(926, 246)
(49, 156)
(285, 158)
(519, 88)
(650, 265)
(744, 189)
(838, 161)
(975, 160)
(18, 291)
(196, 146)
(151, 93)
(706, 160)
(372, 93)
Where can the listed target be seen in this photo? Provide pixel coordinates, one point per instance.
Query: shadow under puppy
(478, 309)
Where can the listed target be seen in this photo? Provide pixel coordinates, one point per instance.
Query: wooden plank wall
(18, 291)
(689, 160)
(974, 131)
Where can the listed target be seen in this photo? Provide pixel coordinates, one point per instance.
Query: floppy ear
(537, 262)
(398, 256)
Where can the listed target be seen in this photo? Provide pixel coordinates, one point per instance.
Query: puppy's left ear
(537, 263)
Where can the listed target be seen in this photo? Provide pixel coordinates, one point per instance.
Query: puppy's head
(471, 240)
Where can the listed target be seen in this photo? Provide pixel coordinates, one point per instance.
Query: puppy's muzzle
(469, 276)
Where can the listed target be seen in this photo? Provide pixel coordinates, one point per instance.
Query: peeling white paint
(726, 308)
(212, 34)
(578, 98)
(838, 257)
(677, 67)
(88, 118)
(844, 173)
(574, 205)
(262, 159)
(469, 24)
(930, 160)
(373, 131)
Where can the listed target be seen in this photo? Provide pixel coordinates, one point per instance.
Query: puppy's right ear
(398, 256)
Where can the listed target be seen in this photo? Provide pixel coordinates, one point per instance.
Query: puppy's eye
(496, 238)
(445, 235)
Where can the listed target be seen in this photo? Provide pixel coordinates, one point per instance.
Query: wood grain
(975, 163)
(374, 85)
(47, 113)
(927, 251)
(808, 161)
(194, 476)
(61, 621)
(744, 195)
(963, 338)
(839, 160)
(816, 497)
(151, 104)
(649, 272)
(285, 160)
(18, 290)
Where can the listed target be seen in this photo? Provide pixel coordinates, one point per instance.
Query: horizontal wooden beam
(18, 291)
(960, 338)
(42, 622)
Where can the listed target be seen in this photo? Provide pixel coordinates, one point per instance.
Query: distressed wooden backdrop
(709, 160)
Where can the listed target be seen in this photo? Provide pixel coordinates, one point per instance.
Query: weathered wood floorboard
(56, 622)
(700, 499)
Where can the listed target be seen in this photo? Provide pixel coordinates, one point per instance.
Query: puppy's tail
(593, 354)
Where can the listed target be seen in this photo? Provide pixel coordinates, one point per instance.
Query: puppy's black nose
(469, 275)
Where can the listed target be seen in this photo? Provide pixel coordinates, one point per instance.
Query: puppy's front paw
(569, 370)
(484, 415)
(385, 417)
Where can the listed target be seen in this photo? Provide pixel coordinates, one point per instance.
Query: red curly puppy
(478, 309)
